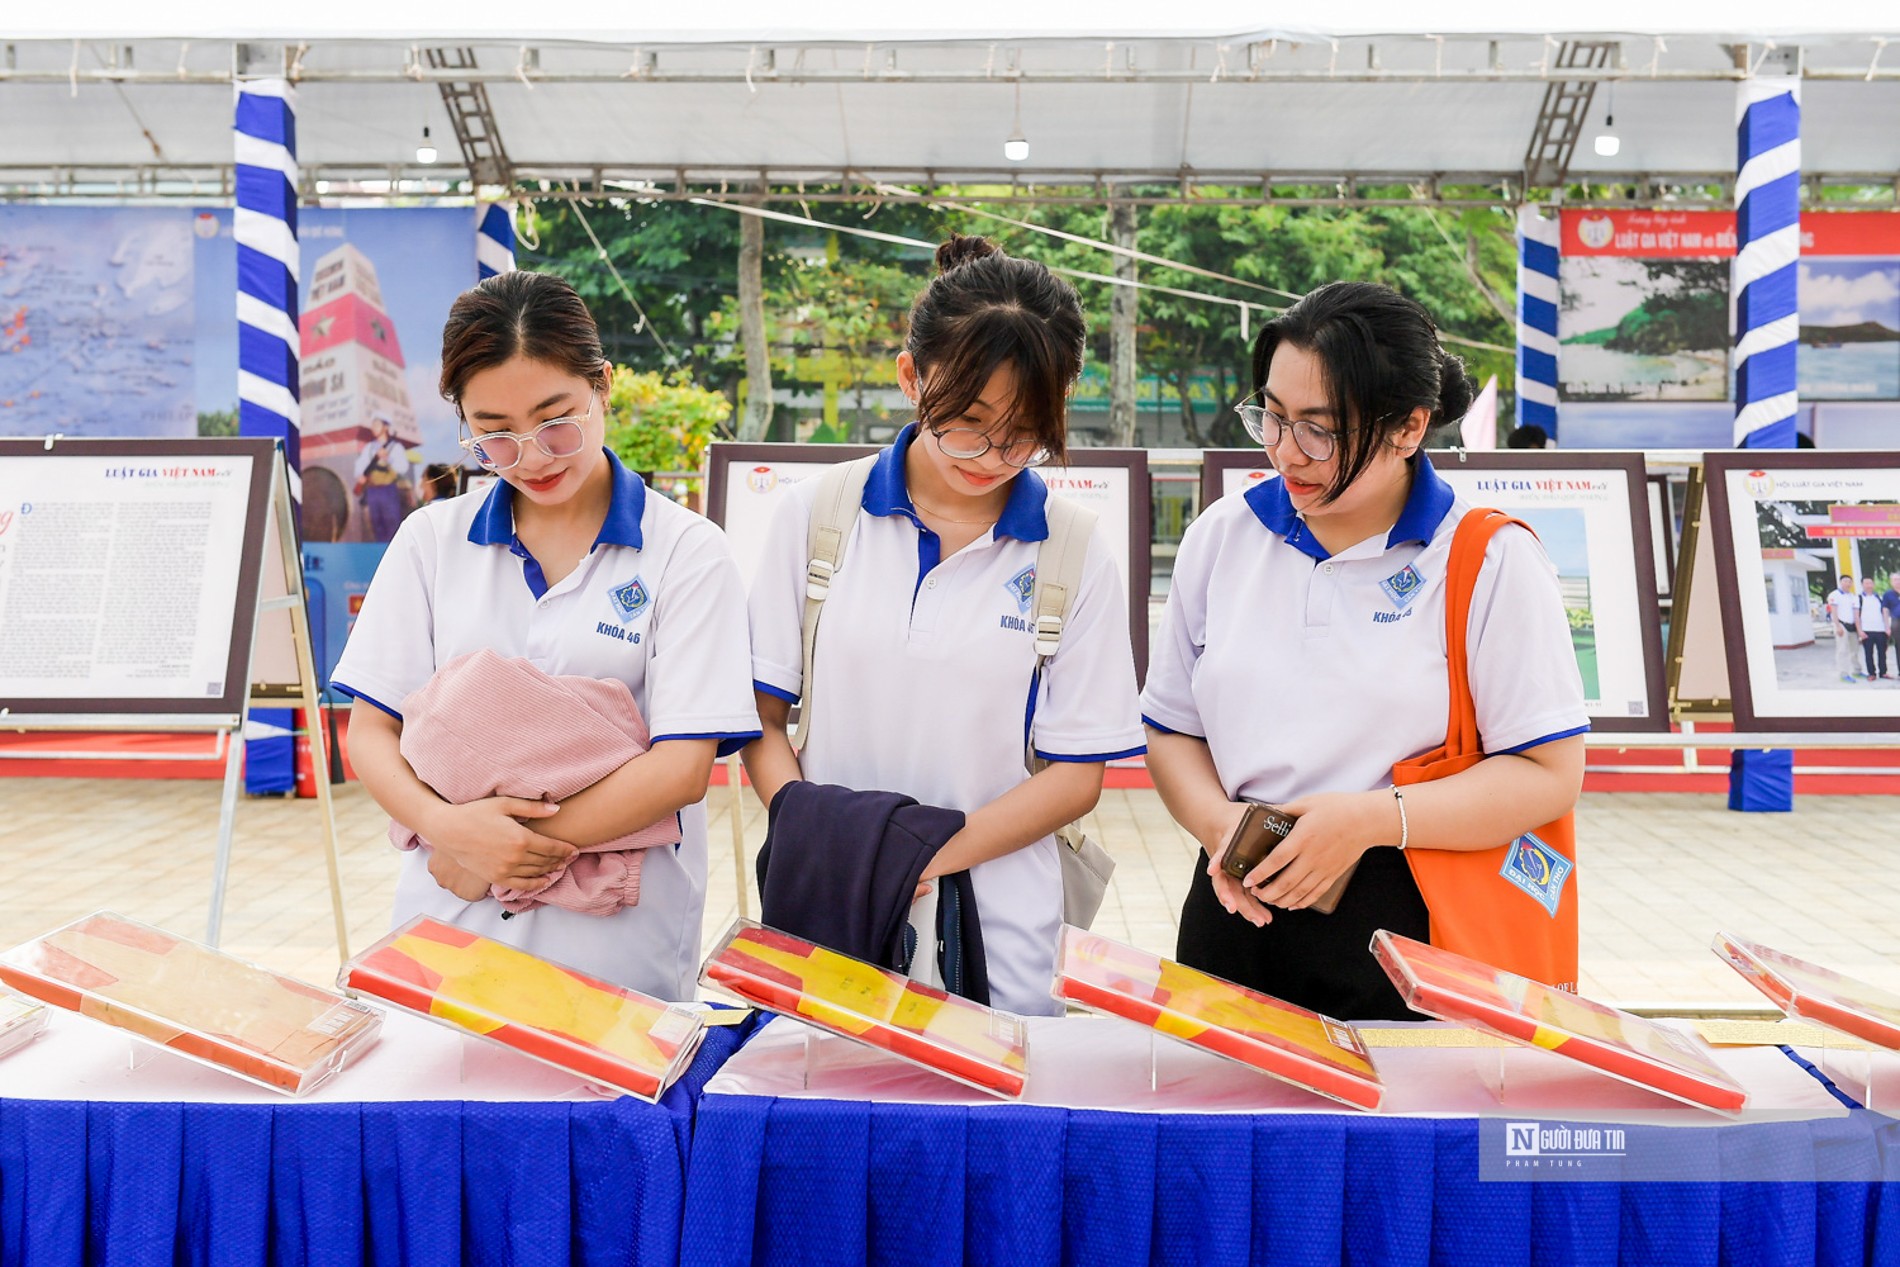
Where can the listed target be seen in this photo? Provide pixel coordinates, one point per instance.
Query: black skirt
(1321, 962)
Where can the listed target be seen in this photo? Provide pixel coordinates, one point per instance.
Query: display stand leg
(1154, 1062)
(227, 821)
(137, 1056)
(1493, 1070)
(297, 600)
(735, 773)
(811, 1058)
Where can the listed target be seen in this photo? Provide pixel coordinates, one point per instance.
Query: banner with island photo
(1645, 320)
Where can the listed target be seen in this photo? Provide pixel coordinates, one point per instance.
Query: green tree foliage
(680, 261)
(218, 422)
(662, 421)
(835, 304)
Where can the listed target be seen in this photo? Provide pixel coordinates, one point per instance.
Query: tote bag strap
(1468, 544)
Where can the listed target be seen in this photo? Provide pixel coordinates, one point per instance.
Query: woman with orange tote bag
(1305, 661)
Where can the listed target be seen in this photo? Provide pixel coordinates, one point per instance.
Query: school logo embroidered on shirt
(629, 600)
(1403, 586)
(1022, 587)
(1539, 870)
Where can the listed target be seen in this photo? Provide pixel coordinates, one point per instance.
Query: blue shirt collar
(494, 523)
(886, 493)
(1426, 506)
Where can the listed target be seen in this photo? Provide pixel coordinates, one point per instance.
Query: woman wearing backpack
(926, 676)
(1303, 657)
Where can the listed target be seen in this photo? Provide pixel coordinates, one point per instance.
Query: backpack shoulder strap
(1059, 562)
(833, 511)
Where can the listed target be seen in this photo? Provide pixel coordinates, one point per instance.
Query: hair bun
(962, 249)
(1456, 389)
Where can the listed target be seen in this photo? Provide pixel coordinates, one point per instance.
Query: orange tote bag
(1514, 906)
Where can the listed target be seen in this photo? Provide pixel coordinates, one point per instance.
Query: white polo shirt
(924, 668)
(657, 603)
(1844, 606)
(1313, 672)
(1873, 617)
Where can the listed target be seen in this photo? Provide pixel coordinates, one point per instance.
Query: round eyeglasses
(1265, 426)
(965, 443)
(557, 437)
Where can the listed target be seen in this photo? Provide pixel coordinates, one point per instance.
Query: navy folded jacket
(849, 864)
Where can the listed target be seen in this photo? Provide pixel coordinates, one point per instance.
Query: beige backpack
(1086, 866)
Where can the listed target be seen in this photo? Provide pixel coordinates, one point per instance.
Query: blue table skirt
(785, 1181)
(438, 1182)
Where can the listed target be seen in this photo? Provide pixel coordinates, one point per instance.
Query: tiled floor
(1661, 873)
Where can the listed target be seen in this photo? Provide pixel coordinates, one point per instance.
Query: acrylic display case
(221, 1011)
(604, 1034)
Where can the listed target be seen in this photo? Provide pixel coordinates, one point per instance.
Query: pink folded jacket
(489, 726)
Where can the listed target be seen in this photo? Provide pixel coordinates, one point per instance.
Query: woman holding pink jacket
(570, 564)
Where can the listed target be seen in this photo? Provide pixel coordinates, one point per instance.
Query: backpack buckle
(818, 574)
(1048, 635)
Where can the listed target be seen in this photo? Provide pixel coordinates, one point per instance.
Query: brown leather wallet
(1259, 830)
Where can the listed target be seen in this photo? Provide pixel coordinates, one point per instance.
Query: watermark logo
(1535, 1145)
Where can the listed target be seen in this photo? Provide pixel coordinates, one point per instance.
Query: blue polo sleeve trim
(766, 688)
(353, 693)
(1092, 756)
(1152, 724)
(730, 741)
(1572, 733)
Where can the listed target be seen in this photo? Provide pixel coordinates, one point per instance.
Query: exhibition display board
(169, 571)
(1592, 511)
(745, 481)
(1784, 527)
(129, 579)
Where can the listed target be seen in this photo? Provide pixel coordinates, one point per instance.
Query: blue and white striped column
(1767, 259)
(265, 226)
(1537, 253)
(495, 239)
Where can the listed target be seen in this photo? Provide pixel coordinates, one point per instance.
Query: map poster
(98, 333)
(128, 571)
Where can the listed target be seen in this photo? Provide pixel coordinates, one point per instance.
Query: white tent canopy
(857, 97)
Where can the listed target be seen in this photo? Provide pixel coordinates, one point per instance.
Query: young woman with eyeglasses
(567, 562)
(1303, 654)
(925, 676)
